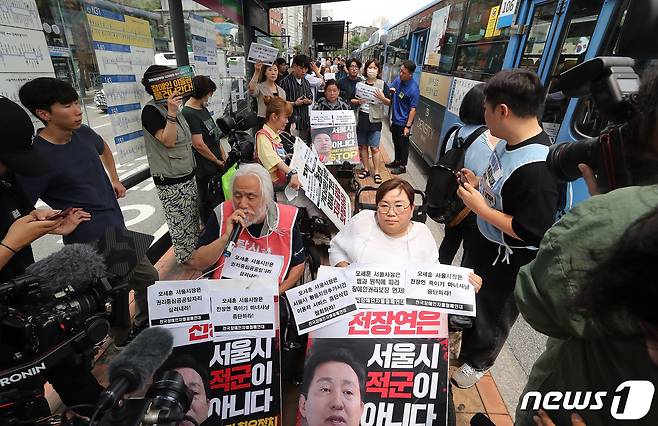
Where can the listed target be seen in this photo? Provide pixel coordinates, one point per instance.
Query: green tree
(355, 42)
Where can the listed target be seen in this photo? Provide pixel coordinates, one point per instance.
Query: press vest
(277, 146)
(170, 162)
(376, 114)
(502, 164)
(277, 242)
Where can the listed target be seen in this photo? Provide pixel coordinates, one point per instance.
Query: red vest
(276, 243)
(278, 148)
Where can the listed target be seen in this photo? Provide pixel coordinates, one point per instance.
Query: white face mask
(372, 73)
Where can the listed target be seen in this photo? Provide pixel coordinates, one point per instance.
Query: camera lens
(169, 390)
(563, 158)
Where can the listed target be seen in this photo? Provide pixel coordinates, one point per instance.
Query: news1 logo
(630, 401)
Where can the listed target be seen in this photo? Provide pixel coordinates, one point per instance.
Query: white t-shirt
(363, 241)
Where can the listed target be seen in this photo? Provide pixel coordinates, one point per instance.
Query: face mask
(371, 73)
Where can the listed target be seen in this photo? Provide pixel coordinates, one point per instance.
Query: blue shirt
(405, 97)
(77, 179)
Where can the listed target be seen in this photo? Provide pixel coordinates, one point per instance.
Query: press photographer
(592, 281)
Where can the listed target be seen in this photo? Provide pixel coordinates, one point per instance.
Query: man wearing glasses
(347, 85)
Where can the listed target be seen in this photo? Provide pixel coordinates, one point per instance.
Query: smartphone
(458, 175)
(61, 214)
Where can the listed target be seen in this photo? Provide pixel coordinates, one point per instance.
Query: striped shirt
(294, 90)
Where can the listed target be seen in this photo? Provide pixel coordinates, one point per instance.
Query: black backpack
(443, 204)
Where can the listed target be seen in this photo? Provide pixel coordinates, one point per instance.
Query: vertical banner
(320, 186)
(24, 53)
(393, 363)
(437, 32)
(334, 136)
(204, 49)
(124, 49)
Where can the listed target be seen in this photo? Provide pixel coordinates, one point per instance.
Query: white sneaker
(466, 376)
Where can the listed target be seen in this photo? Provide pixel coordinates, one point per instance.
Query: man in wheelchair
(267, 228)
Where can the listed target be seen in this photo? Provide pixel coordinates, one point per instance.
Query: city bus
(457, 44)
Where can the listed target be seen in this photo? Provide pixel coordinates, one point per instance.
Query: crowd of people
(510, 193)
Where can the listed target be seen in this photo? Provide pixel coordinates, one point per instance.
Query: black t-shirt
(152, 120)
(347, 88)
(202, 123)
(530, 195)
(211, 233)
(14, 205)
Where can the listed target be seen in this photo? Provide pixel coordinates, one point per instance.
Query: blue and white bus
(463, 42)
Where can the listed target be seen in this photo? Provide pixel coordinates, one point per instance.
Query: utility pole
(347, 39)
(307, 36)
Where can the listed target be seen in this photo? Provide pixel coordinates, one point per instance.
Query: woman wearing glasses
(387, 235)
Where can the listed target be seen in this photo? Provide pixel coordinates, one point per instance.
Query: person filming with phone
(21, 224)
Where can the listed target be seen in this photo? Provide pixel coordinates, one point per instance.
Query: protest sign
(251, 264)
(262, 53)
(334, 136)
(176, 303)
(440, 287)
(242, 308)
(321, 302)
(374, 285)
(400, 358)
(367, 92)
(164, 83)
(245, 383)
(329, 76)
(320, 186)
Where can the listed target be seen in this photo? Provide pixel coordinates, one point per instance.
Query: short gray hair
(255, 169)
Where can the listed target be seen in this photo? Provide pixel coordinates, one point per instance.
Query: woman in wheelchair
(387, 235)
(271, 154)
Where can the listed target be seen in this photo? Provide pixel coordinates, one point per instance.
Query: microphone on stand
(232, 240)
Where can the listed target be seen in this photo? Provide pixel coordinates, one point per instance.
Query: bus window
(475, 27)
(479, 54)
(484, 58)
(538, 36)
(451, 36)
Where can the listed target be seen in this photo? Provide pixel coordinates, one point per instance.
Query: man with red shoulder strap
(267, 227)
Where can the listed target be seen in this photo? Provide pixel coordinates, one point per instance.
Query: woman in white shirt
(387, 235)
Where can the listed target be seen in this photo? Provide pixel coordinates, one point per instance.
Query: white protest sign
(250, 264)
(320, 186)
(260, 52)
(242, 308)
(321, 302)
(329, 76)
(375, 286)
(333, 136)
(364, 91)
(323, 118)
(460, 86)
(175, 304)
(439, 287)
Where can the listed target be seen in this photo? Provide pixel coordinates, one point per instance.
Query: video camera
(61, 307)
(236, 127)
(613, 85)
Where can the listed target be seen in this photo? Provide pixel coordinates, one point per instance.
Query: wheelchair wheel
(355, 185)
(310, 270)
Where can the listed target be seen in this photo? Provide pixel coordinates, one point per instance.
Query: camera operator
(592, 287)
(21, 224)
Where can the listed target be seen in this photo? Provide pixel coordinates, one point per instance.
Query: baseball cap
(16, 150)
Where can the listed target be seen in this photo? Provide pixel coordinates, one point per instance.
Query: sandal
(377, 178)
(364, 174)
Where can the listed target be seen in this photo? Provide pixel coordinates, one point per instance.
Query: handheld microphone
(73, 268)
(133, 367)
(232, 240)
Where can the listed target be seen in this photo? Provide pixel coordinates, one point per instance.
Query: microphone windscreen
(142, 357)
(77, 265)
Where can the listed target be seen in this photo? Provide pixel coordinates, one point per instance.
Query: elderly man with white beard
(268, 229)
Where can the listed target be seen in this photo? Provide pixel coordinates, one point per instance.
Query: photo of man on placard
(333, 389)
